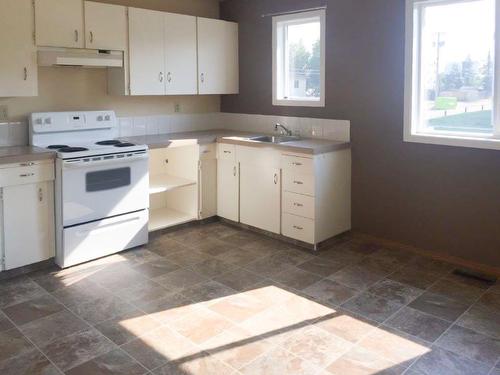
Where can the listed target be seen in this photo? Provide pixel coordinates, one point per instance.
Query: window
(299, 59)
(451, 96)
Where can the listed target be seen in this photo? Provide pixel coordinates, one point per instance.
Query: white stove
(101, 184)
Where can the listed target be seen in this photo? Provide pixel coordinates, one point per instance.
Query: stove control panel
(48, 122)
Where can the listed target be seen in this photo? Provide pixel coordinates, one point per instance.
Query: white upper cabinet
(180, 55)
(18, 68)
(105, 26)
(218, 71)
(59, 23)
(146, 49)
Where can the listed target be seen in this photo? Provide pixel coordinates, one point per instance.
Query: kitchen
(177, 194)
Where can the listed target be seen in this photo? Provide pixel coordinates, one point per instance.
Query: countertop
(304, 145)
(23, 154)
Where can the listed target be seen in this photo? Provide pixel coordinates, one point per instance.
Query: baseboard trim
(459, 262)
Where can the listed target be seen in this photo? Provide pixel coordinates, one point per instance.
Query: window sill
(299, 103)
(490, 143)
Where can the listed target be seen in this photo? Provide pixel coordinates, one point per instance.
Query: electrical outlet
(177, 108)
(3, 113)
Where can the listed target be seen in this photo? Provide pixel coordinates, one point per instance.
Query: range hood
(86, 58)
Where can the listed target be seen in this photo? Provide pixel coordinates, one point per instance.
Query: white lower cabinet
(208, 181)
(228, 189)
(27, 215)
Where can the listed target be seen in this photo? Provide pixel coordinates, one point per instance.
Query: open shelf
(161, 218)
(165, 182)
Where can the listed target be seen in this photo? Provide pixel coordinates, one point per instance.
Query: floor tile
(238, 279)
(58, 279)
(164, 246)
(19, 290)
(268, 266)
(101, 309)
(213, 247)
(347, 325)
(236, 347)
(117, 277)
(321, 266)
(469, 281)
(330, 291)
(456, 290)
(156, 268)
(238, 307)
(394, 346)
(209, 292)
(296, 278)
(383, 265)
(316, 345)
(187, 236)
(342, 253)
(443, 362)
(143, 292)
(279, 361)
(139, 256)
(490, 301)
(52, 327)
(188, 258)
(81, 292)
(418, 324)
(28, 311)
(372, 307)
(13, 343)
(471, 344)
(127, 326)
(70, 351)
(357, 277)
(481, 320)
(241, 238)
(416, 277)
(159, 347)
(440, 306)
(218, 230)
(201, 325)
(395, 291)
(114, 362)
(180, 279)
(32, 362)
(170, 308)
(201, 364)
(431, 265)
(360, 361)
(212, 267)
(5, 323)
(240, 257)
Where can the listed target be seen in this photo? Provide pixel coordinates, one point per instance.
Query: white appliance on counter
(101, 189)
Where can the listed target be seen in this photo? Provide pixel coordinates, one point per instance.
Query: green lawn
(479, 122)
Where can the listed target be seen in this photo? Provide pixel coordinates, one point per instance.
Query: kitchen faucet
(284, 129)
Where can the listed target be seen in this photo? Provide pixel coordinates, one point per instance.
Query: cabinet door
(217, 56)
(28, 223)
(208, 188)
(105, 26)
(146, 50)
(18, 67)
(227, 190)
(260, 204)
(59, 23)
(180, 54)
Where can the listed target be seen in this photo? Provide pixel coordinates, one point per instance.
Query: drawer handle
(298, 204)
(275, 178)
(297, 164)
(234, 171)
(227, 152)
(298, 182)
(205, 152)
(27, 175)
(297, 227)
(27, 164)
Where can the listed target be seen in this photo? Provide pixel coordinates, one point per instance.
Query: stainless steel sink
(275, 138)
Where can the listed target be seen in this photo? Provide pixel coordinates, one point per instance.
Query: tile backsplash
(16, 133)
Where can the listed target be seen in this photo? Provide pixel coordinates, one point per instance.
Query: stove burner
(111, 142)
(56, 147)
(125, 144)
(72, 149)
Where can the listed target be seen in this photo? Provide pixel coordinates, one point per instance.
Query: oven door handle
(95, 163)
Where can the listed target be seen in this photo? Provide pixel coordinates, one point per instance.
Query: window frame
(295, 18)
(412, 84)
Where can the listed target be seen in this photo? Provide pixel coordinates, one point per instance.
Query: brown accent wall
(439, 198)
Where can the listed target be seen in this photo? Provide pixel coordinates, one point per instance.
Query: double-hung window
(299, 59)
(452, 94)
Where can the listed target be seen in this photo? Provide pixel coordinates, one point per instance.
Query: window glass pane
(302, 61)
(457, 65)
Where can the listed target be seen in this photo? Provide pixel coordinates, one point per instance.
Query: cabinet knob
(297, 227)
(40, 195)
(297, 164)
(76, 36)
(234, 171)
(202, 77)
(160, 76)
(25, 73)
(91, 37)
(298, 204)
(298, 182)
(169, 77)
(26, 175)
(275, 178)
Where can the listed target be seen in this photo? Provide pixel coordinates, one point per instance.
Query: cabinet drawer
(297, 164)
(299, 228)
(28, 173)
(226, 151)
(298, 204)
(298, 183)
(207, 151)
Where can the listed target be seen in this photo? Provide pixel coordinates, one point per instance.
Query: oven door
(110, 186)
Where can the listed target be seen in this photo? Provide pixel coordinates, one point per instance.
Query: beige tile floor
(213, 299)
